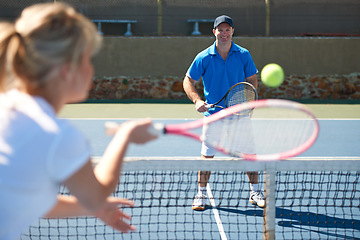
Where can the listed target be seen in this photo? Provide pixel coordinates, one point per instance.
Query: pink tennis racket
(276, 130)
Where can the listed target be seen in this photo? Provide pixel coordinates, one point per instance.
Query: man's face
(223, 33)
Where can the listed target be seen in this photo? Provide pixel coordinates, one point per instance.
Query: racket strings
(233, 134)
(240, 94)
(288, 131)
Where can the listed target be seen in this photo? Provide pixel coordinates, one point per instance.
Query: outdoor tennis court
(317, 193)
(155, 59)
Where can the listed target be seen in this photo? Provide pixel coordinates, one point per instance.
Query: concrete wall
(149, 67)
(171, 56)
(154, 67)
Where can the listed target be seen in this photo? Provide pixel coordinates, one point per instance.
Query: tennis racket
(237, 94)
(277, 130)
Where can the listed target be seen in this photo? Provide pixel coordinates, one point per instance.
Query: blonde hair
(44, 36)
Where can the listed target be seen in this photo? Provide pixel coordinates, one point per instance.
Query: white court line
(126, 119)
(327, 158)
(185, 119)
(216, 213)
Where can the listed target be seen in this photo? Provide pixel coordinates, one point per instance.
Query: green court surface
(184, 111)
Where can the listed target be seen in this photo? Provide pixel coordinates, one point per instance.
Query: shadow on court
(307, 220)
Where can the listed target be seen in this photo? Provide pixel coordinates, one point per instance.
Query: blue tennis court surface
(337, 138)
(164, 200)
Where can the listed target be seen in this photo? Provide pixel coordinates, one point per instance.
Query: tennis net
(305, 199)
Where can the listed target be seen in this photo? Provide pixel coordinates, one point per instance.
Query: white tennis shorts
(244, 137)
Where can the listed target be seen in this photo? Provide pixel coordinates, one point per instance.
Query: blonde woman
(45, 62)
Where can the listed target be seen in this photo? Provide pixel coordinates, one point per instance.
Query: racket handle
(155, 129)
(209, 105)
(111, 128)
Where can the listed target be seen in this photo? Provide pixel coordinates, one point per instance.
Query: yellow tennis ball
(272, 75)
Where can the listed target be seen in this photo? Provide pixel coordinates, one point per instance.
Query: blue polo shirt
(219, 75)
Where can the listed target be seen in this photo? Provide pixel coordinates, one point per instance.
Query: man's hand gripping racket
(279, 129)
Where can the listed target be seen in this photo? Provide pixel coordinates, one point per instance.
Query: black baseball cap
(223, 19)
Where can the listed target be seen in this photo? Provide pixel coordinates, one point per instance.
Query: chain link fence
(251, 17)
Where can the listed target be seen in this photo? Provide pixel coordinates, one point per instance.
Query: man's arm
(190, 90)
(253, 80)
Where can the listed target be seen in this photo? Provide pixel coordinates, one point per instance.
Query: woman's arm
(92, 186)
(68, 206)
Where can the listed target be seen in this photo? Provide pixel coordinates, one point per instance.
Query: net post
(269, 213)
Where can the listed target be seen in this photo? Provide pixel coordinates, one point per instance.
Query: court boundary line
(134, 118)
(186, 119)
(216, 213)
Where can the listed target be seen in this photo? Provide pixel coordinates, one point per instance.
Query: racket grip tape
(157, 129)
(111, 128)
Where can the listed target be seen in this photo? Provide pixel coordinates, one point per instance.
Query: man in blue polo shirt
(221, 65)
